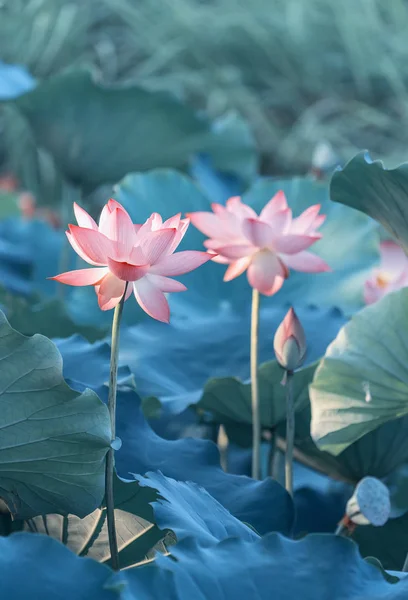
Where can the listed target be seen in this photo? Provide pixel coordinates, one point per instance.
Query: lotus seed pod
(290, 342)
(370, 504)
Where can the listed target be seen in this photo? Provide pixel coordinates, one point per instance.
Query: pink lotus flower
(290, 342)
(390, 276)
(121, 252)
(267, 246)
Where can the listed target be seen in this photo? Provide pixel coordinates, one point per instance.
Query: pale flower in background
(391, 275)
(266, 246)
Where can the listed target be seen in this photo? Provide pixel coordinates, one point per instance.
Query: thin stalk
(256, 418)
(405, 567)
(110, 458)
(341, 530)
(290, 433)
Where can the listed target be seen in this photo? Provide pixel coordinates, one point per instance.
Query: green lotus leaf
(53, 440)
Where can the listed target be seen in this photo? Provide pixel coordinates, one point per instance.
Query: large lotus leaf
(53, 441)
(173, 362)
(317, 567)
(88, 365)
(217, 186)
(48, 317)
(16, 266)
(138, 537)
(388, 543)
(40, 568)
(189, 510)
(37, 245)
(68, 115)
(350, 245)
(14, 80)
(363, 380)
(229, 399)
(378, 453)
(379, 192)
(198, 461)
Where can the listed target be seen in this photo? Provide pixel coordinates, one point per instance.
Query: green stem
(256, 418)
(110, 458)
(405, 567)
(290, 433)
(341, 530)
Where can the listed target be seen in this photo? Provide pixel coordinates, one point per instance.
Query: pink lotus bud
(290, 342)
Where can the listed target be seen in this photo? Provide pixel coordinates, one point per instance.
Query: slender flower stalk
(290, 432)
(256, 417)
(110, 458)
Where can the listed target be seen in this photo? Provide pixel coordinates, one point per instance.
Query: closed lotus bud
(290, 342)
(370, 503)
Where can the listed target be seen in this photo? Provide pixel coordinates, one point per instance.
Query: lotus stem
(405, 567)
(256, 418)
(290, 432)
(341, 530)
(110, 458)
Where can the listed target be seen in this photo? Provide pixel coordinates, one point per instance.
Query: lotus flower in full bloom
(141, 254)
(390, 276)
(267, 246)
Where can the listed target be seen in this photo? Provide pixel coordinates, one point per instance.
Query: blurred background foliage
(301, 73)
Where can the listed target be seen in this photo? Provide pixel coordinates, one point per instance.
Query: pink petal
(82, 276)
(110, 292)
(241, 210)
(119, 228)
(281, 221)
(152, 300)
(180, 263)
(306, 262)
(137, 257)
(275, 205)
(236, 251)
(222, 260)
(218, 209)
(293, 243)
(266, 273)
(126, 271)
(106, 211)
(305, 222)
(172, 221)
(78, 249)
(237, 268)
(153, 223)
(207, 223)
(156, 243)
(83, 219)
(181, 231)
(258, 233)
(393, 258)
(95, 247)
(373, 292)
(165, 284)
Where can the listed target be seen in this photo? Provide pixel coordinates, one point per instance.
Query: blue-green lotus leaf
(189, 510)
(53, 440)
(316, 567)
(381, 193)
(198, 461)
(38, 567)
(363, 380)
(174, 362)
